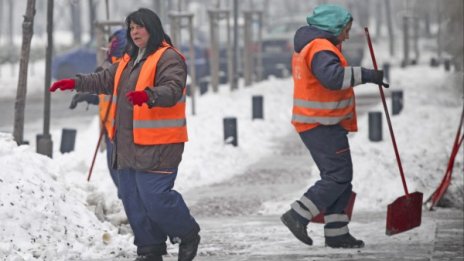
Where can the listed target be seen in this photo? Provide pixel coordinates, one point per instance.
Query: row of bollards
(375, 118)
(434, 62)
(230, 123)
(68, 136)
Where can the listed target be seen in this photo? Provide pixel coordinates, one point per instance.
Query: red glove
(137, 97)
(65, 84)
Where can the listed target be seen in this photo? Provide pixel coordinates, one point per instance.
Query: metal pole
(405, 41)
(247, 54)
(48, 63)
(391, 39)
(193, 82)
(259, 54)
(415, 21)
(230, 70)
(107, 4)
(44, 141)
(234, 80)
(214, 59)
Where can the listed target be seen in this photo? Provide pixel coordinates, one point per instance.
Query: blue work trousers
(155, 211)
(330, 151)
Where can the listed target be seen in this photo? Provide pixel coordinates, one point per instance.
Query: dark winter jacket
(170, 78)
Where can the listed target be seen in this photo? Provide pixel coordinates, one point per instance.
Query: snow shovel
(405, 212)
(440, 191)
(348, 210)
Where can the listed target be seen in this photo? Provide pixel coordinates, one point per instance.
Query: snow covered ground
(50, 212)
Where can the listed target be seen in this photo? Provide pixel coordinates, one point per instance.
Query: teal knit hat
(332, 18)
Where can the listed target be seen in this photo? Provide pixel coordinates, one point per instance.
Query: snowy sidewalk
(440, 237)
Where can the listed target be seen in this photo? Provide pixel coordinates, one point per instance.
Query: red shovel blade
(348, 210)
(404, 213)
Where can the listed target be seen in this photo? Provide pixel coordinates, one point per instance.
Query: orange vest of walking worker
(313, 104)
(104, 101)
(158, 125)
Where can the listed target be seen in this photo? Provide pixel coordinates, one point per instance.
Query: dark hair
(148, 19)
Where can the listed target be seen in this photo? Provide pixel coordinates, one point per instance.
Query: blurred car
(84, 60)
(277, 46)
(353, 48)
(78, 60)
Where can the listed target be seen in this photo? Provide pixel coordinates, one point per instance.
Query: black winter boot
(149, 257)
(296, 227)
(188, 248)
(343, 241)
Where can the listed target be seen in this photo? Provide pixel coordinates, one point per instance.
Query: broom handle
(392, 135)
(102, 130)
(95, 153)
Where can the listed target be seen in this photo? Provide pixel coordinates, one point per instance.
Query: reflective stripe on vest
(158, 125)
(314, 104)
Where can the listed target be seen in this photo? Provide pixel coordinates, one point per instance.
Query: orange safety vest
(159, 125)
(104, 101)
(314, 104)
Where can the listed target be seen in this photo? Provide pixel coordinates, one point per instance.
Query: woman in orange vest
(148, 130)
(323, 114)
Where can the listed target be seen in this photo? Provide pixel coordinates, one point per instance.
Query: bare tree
(28, 31)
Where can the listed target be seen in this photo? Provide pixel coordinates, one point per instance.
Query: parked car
(78, 60)
(84, 60)
(277, 46)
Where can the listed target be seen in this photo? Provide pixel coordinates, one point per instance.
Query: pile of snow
(42, 217)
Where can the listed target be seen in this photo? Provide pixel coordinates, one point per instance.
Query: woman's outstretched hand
(65, 84)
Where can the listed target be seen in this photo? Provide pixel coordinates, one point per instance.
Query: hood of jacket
(308, 33)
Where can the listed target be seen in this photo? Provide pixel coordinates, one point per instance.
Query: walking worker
(116, 46)
(148, 134)
(323, 114)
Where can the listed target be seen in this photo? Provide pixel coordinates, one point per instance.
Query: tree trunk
(28, 25)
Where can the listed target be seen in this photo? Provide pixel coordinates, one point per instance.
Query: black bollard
(203, 86)
(434, 62)
(397, 102)
(44, 144)
(447, 64)
(230, 131)
(386, 71)
(375, 126)
(257, 107)
(68, 138)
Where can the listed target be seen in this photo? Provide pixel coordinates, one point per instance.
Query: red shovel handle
(392, 135)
